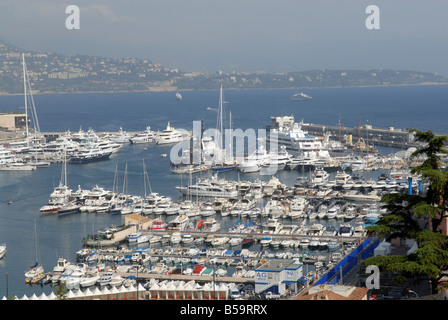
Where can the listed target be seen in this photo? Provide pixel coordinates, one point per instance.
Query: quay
(387, 137)
(182, 277)
(253, 236)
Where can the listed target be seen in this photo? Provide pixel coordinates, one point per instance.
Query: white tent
(71, 295)
(51, 296)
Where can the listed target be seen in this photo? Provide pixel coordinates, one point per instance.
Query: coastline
(175, 89)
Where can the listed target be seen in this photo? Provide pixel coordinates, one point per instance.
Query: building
(278, 276)
(335, 292)
(141, 222)
(12, 121)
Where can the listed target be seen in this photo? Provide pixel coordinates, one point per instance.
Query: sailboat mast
(220, 113)
(26, 99)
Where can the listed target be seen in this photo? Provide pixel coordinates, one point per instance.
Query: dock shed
(278, 276)
(13, 121)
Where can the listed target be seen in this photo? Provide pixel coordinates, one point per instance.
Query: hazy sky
(243, 35)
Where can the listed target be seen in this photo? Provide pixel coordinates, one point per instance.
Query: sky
(243, 35)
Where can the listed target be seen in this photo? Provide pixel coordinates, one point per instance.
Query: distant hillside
(56, 73)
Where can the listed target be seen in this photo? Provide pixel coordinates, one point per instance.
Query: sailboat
(222, 164)
(68, 206)
(36, 271)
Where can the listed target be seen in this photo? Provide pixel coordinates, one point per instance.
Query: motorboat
(255, 161)
(146, 136)
(304, 243)
(220, 241)
(187, 238)
(132, 237)
(144, 238)
(175, 238)
(345, 230)
(265, 241)
(2, 250)
(120, 137)
(171, 135)
(235, 241)
(73, 280)
(284, 131)
(90, 278)
(89, 155)
(320, 177)
(299, 96)
(213, 187)
(105, 278)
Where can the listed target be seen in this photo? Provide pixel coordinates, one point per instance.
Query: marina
(298, 214)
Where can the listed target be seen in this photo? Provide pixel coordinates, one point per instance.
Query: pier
(387, 137)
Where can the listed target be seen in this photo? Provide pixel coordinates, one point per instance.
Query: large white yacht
(146, 136)
(171, 135)
(255, 161)
(290, 134)
(213, 187)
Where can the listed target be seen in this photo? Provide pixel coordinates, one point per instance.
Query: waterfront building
(278, 276)
(335, 292)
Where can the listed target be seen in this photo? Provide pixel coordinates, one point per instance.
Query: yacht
(278, 160)
(299, 96)
(342, 178)
(179, 223)
(290, 134)
(255, 161)
(146, 136)
(89, 155)
(213, 187)
(2, 250)
(90, 278)
(105, 278)
(345, 230)
(171, 135)
(133, 237)
(320, 177)
(120, 137)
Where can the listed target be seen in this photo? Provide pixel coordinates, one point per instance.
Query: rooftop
(335, 292)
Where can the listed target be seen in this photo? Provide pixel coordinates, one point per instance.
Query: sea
(420, 107)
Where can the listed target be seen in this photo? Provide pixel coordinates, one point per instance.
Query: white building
(278, 276)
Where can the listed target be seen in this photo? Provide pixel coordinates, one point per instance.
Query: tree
(407, 215)
(61, 292)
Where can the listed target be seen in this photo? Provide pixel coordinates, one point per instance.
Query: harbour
(76, 225)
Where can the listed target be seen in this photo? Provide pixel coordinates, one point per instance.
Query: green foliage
(406, 211)
(61, 292)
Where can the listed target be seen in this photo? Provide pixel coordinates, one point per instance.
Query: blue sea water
(420, 107)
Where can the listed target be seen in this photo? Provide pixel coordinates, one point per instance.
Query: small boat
(91, 278)
(300, 96)
(220, 241)
(132, 237)
(175, 238)
(235, 241)
(178, 96)
(266, 241)
(187, 238)
(2, 250)
(68, 208)
(143, 238)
